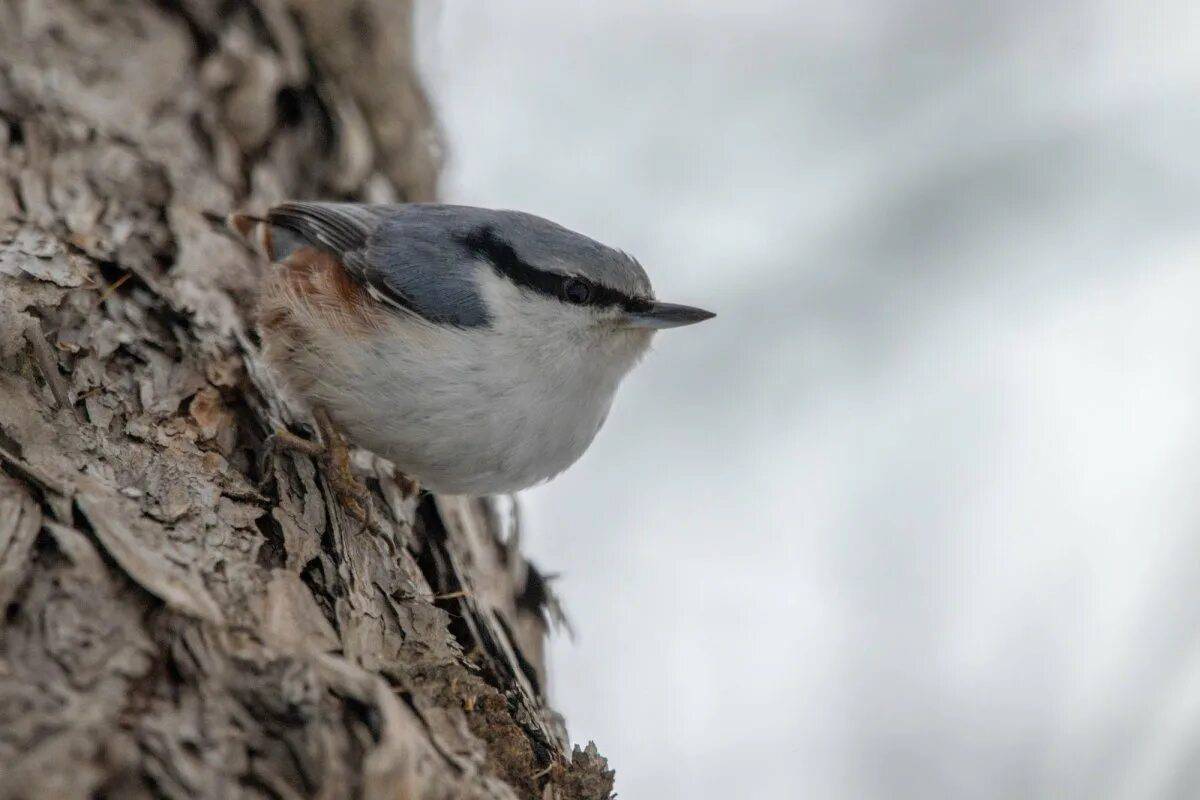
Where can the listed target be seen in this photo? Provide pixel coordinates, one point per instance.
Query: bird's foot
(283, 439)
(352, 493)
(408, 486)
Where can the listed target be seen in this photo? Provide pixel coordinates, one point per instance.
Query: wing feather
(407, 256)
(342, 228)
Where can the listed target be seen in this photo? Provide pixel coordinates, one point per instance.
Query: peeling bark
(183, 616)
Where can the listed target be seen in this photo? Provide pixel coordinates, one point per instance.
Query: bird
(478, 350)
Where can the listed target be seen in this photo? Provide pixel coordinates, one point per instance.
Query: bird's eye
(576, 291)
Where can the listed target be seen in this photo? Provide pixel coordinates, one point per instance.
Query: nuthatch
(478, 350)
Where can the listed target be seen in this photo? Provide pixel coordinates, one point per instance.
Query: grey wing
(344, 230)
(341, 228)
(409, 257)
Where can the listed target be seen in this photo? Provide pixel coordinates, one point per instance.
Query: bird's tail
(256, 232)
(264, 235)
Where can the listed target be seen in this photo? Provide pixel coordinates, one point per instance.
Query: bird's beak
(666, 315)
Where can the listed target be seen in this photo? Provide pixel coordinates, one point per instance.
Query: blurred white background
(917, 515)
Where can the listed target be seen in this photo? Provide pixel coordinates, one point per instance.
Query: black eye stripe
(484, 243)
(577, 291)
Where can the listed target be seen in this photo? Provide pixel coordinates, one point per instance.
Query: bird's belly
(462, 456)
(459, 424)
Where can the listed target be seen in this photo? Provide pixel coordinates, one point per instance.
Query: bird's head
(545, 280)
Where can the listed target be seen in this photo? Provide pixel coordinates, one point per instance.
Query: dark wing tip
(339, 227)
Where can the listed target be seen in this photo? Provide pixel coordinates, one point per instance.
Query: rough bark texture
(182, 616)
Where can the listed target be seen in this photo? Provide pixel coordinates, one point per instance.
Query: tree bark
(183, 613)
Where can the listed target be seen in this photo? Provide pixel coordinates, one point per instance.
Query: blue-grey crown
(424, 257)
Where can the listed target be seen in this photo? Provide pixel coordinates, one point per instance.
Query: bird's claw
(352, 494)
(408, 486)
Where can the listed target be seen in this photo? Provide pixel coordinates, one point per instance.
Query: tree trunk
(184, 613)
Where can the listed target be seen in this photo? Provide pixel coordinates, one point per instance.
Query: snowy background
(917, 515)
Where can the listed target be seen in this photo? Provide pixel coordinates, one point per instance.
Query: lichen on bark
(181, 616)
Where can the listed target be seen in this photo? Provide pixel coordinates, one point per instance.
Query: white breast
(476, 410)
